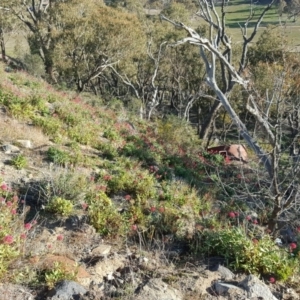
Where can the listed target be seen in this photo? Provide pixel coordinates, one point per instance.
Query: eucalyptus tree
(94, 37)
(164, 79)
(37, 16)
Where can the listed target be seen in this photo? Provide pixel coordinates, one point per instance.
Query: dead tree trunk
(2, 45)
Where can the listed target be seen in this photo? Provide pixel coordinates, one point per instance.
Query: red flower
(272, 280)
(161, 209)
(15, 198)
(127, 197)
(231, 214)
(152, 208)
(248, 218)
(255, 241)
(27, 226)
(293, 246)
(23, 236)
(4, 187)
(60, 237)
(13, 211)
(107, 177)
(9, 239)
(9, 203)
(255, 221)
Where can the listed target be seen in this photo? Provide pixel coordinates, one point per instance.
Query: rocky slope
(65, 258)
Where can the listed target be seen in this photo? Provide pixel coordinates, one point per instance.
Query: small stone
(24, 143)
(145, 260)
(66, 290)
(256, 288)
(107, 266)
(223, 288)
(110, 276)
(102, 250)
(225, 273)
(8, 148)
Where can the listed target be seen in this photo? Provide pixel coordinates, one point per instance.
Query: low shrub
(13, 232)
(103, 215)
(19, 162)
(242, 252)
(58, 156)
(60, 206)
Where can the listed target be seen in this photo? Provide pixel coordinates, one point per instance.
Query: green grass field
(237, 12)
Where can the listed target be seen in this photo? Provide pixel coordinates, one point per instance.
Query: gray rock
(24, 143)
(156, 289)
(256, 288)
(66, 290)
(225, 273)
(101, 250)
(8, 148)
(226, 288)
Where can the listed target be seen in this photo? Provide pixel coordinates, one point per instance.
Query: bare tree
(217, 48)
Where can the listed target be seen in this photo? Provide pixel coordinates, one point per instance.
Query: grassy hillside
(136, 181)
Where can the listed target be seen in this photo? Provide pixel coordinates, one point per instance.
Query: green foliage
(103, 215)
(269, 47)
(50, 126)
(19, 161)
(18, 107)
(56, 274)
(58, 156)
(132, 180)
(121, 38)
(34, 65)
(261, 257)
(108, 150)
(110, 134)
(66, 184)
(60, 206)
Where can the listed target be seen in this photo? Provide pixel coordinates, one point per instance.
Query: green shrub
(261, 257)
(19, 162)
(110, 134)
(132, 181)
(66, 184)
(50, 126)
(34, 65)
(103, 215)
(58, 156)
(60, 206)
(108, 151)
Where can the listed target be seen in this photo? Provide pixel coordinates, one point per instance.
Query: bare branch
(196, 39)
